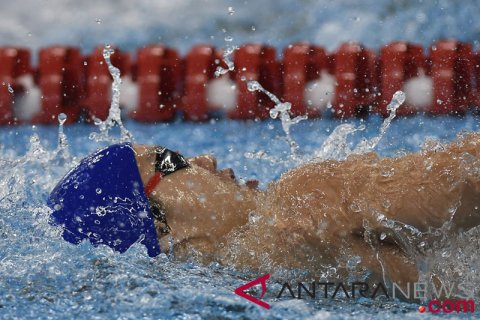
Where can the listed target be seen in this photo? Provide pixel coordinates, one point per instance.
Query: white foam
(28, 103)
(419, 92)
(130, 96)
(221, 94)
(319, 93)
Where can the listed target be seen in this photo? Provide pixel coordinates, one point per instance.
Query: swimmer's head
(123, 194)
(103, 200)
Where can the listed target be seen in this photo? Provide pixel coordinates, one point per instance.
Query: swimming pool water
(43, 277)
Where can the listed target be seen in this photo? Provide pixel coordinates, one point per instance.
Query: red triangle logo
(263, 280)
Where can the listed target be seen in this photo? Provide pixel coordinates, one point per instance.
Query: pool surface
(45, 277)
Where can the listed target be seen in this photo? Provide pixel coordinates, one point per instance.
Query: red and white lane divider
(160, 85)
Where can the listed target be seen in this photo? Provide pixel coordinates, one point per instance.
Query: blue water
(182, 23)
(43, 277)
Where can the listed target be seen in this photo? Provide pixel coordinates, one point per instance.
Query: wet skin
(320, 215)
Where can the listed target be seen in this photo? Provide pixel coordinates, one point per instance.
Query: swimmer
(315, 217)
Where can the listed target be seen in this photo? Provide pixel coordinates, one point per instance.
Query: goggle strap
(152, 183)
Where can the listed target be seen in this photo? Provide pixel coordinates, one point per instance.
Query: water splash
(262, 155)
(62, 149)
(281, 111)
(336, 146)
(28, 175)
(114, 113)
(229, 50)
(368, 145)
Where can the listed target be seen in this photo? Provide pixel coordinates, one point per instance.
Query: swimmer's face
(203, 200)
(146, 160)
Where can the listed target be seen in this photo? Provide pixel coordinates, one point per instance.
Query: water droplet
(10, 89)
(399, 96)
(231, 11)
(355, 207)
(253, 86)
(98, 21)
(98, 191)
(388, 173)
(383, 236)
(273, 113)
(386, 203)
(253, 217)
(107, 52)
(353, 261)
(253, 28)
(62, 117)
(389, 223)
(228, 39)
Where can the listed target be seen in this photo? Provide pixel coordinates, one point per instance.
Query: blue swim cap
(103, 200)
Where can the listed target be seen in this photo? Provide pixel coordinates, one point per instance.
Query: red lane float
(255, 62)
(476, 99)
(14, 63)
(452, 74)
(200, 64)
(355, 77)
(99, 82)
(302, 63)
(60, 78)
(399, 63)
(447, 81)
(159, 79)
